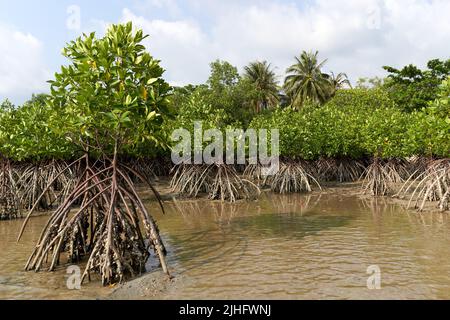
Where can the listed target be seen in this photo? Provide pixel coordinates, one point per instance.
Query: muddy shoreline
(155, 285)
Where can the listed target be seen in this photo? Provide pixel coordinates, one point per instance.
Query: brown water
(280, 247)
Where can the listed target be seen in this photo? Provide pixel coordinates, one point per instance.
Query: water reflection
(282, 246)
(293, 246)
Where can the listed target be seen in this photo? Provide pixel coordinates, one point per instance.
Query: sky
(357, 37)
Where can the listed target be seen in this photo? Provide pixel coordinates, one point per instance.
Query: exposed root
(143, 166)
(376, 179)
(254, 172)
(418, 165)
(292, 178)
(112, 227)
(433, 185)
(220, 182)
(161, 167)
(341, 170)
(191, 180)
(35, 178)
(397, 170)
(226, 185)
(152, 169)
(9, 200)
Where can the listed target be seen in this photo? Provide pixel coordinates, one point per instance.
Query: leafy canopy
(412, 88)
(264, 84)
(112, 93)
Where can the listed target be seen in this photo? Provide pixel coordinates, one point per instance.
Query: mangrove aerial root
(340, 170)
(377, 179)
(227, 185)
(433, 185)
(191, 180)
(255, 173)
(219, 181)
(397, 170)
(144, 167)
(292, 178)
(9, 201)
(35, 178)
(112, 228)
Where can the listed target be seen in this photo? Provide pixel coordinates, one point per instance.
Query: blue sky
(357, 36)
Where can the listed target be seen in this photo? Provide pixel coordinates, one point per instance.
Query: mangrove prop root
(432, 185)
(111, 228)
(219, 181)
(34, 179)
(293, 177)
(376, 181)
(190, 180)
(341, 170)
(226, 185)
(254, 172)
(9, 200)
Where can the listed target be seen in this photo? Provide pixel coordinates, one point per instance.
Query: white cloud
(181, 45)
(22, 67)
(358, 37)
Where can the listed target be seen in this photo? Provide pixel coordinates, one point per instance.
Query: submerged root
(292, 178)
(112, 228)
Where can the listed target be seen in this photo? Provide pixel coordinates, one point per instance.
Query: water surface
(279, 247)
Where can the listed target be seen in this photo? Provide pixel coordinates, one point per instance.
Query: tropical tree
(111, 96)
(442, 103)
(223, 76)
(6, 105)
(228, 91)
(263, 79)
(413, 88)
(338, 81)
(305, 80)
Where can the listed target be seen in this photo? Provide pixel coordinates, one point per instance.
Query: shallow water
(280, 247)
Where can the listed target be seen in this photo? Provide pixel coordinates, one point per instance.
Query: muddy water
(280, 247)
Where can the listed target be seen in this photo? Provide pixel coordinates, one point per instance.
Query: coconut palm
(305, 80)
(338, 81)
(263, 78)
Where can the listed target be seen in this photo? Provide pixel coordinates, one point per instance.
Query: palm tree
(263, 79)
(305, 80)
(338, 81)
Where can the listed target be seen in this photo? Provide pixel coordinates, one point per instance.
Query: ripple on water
(321, 251)
(287, 247)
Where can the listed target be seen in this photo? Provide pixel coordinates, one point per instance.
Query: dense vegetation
(109, 116)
